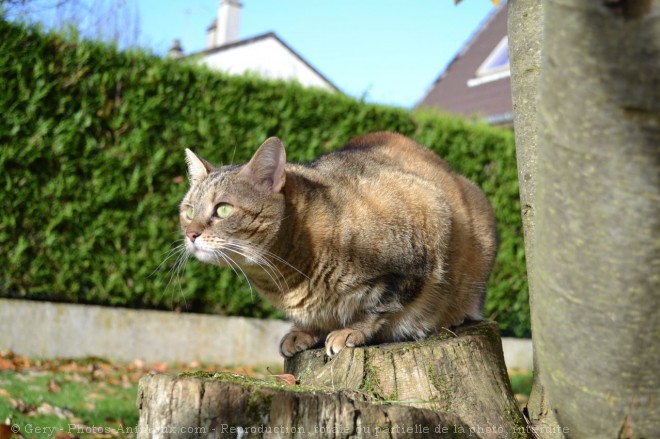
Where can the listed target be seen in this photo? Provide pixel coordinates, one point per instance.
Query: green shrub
(92, 156)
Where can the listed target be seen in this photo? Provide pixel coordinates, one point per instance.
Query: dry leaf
(53, 387)
(22, 407)
(285, 378)
(4, 393)
(47, 409)
(22, 363)
(159, 367)
(138, 364)
(6, 364)
(69, 367)
(6, 431)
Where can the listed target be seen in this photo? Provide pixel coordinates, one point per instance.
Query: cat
(379, 241)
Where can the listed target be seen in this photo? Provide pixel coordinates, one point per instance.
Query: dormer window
(496, 65)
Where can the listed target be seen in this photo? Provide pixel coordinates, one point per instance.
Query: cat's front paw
(297, 341)
(341, 338)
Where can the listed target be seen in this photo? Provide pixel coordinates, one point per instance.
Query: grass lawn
(93, 398)
(66, 399)
(521, 383)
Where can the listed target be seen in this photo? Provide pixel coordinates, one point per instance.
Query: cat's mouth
(203, 253)
(210, 255)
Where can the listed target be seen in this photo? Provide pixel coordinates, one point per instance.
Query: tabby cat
(379, 241)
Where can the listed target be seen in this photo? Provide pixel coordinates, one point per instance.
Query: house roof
(459, 89)
(264, 36)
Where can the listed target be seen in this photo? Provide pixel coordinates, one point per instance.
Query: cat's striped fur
(378, 241)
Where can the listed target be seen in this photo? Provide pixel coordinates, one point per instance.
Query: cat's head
(234, 213)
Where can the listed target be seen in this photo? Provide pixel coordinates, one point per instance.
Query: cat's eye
(190, 213)
(224, 210)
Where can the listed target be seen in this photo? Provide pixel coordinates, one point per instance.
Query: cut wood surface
(461, 372)
(451, 385)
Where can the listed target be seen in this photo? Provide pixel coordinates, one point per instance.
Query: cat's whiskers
(264, 253)
(268, 267)
(177, 267)
(231, 263)
(169, 254)
(282, 260)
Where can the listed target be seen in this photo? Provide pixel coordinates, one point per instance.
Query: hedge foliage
(92, 143)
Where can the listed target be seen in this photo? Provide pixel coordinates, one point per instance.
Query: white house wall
(267, 57)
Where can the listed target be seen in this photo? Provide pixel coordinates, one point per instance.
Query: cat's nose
(193, 234)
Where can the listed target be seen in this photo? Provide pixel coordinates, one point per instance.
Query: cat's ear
(266, 167)
(198, 168)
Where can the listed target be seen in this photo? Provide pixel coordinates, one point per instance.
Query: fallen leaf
(98, 373)
(248, 370)
(138, 364)
(6, 364)
(22, 407)
(285, 378)
(6, 431)
(4, 393)
(22, 363)
(69, 367)
(159, 367)
(47, 409)
(53, 387)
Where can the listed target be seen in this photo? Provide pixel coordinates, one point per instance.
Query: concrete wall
(54, 330)
(42, 329)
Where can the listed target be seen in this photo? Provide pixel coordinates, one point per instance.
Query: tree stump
(450, 385)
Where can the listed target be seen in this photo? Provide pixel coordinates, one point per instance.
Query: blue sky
(385, 51)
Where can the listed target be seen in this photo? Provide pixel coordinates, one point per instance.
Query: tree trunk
(596, 277)
(461, 373)
(452, 385)
(231, 406)
(525, 29)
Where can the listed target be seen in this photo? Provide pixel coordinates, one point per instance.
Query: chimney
(210, 35)
(175, 51)
(226, 27)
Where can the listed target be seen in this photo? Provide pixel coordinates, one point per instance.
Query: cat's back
(392, 175)
(375, 153)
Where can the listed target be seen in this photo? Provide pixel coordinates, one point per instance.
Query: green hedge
(92, 144)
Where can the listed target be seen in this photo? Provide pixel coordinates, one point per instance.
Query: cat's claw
(341, 338)
(297, 341)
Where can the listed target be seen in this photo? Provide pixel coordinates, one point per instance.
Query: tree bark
(525, 30)
(452, 385)
(596, 308)
(231, 406)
